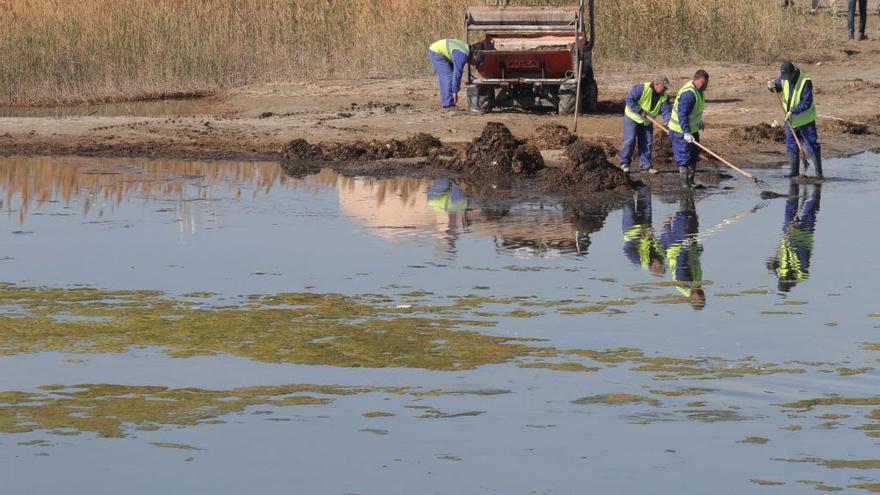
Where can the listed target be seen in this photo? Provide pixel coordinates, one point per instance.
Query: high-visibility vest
(645, 104)
(449, 45)
(790, 101)
(647, 243)
(694, 250)
(696, 117)
(790, 266)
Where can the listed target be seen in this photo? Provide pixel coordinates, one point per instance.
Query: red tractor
(532, 57)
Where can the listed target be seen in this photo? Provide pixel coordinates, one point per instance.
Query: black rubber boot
(692, 172)
(683, 177)
(817, 162)
(793, 164)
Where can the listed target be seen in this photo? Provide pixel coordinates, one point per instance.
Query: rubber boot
(817, 162)
(683, 177)
(793, 164)
(692, 172)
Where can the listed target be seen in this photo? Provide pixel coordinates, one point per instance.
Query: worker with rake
(644, 100)
(801, 138)
(685, 125)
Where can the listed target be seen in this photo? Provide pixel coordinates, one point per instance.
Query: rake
(761, 183)
(797, 140)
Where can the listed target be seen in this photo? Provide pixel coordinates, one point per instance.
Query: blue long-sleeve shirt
(686, 102)
(459, 62)
(635, 94)
(806, 95)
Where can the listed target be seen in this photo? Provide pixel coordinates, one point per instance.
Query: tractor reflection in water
(791, 264)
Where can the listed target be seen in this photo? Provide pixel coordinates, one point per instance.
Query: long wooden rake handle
(707, 150)
(794, 134)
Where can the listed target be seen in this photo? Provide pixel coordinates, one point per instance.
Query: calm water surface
(219, 327)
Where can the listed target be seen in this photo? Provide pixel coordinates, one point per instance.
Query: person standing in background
(851, 18)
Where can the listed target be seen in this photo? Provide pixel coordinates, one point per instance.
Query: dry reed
(59, 51)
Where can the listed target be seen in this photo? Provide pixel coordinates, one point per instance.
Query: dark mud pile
(759, 133)
(661, 152)
(587, 171)
(551, 135)
(496, 152)
(301, 157)
(848, 127)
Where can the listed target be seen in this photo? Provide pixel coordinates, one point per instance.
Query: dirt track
(255, 122)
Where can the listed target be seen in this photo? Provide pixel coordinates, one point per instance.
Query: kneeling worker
(685, 126)
(449, 58)
(646, 99)
(800, 115)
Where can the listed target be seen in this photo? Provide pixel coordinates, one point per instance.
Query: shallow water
(338, 335)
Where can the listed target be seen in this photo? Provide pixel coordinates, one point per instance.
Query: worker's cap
(787, 68)
(662, 80)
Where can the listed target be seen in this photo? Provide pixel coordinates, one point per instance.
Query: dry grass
(59, 51)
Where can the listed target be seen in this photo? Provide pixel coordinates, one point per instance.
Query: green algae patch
(374, 431)
(847, 464)
(580, 310)
(854, 371)
(791, 427)
(171, 445)
(871, 487)
(432, 413)
(809, 404)
(820, 486)
(683, 392)
(116, 410)
(617, 399)
(567, 366)
(766, 482)
(873, 315)
(377, 414)
(519, 313)
(301, 328)
(757, 440)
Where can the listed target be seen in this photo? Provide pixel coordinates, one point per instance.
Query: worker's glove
(788, 116)
(771, 86)
(688, 137)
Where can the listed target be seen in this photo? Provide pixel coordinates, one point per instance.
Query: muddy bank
(587, 170)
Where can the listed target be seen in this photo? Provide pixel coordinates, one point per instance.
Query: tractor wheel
(486, 99)
(567, 102)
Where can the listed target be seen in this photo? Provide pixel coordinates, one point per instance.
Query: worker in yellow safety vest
(648, 99)
(685, 125)
(800, 116)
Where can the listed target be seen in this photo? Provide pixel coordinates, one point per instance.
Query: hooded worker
(644, 100)
(685, 125)
(683, 251)
(640, 245)
(791, 265)
(449, 58)
(800, 116)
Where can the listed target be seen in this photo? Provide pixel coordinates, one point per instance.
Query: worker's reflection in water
(792, 261)
(640, 245)
(681, 243)
(445, 196)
